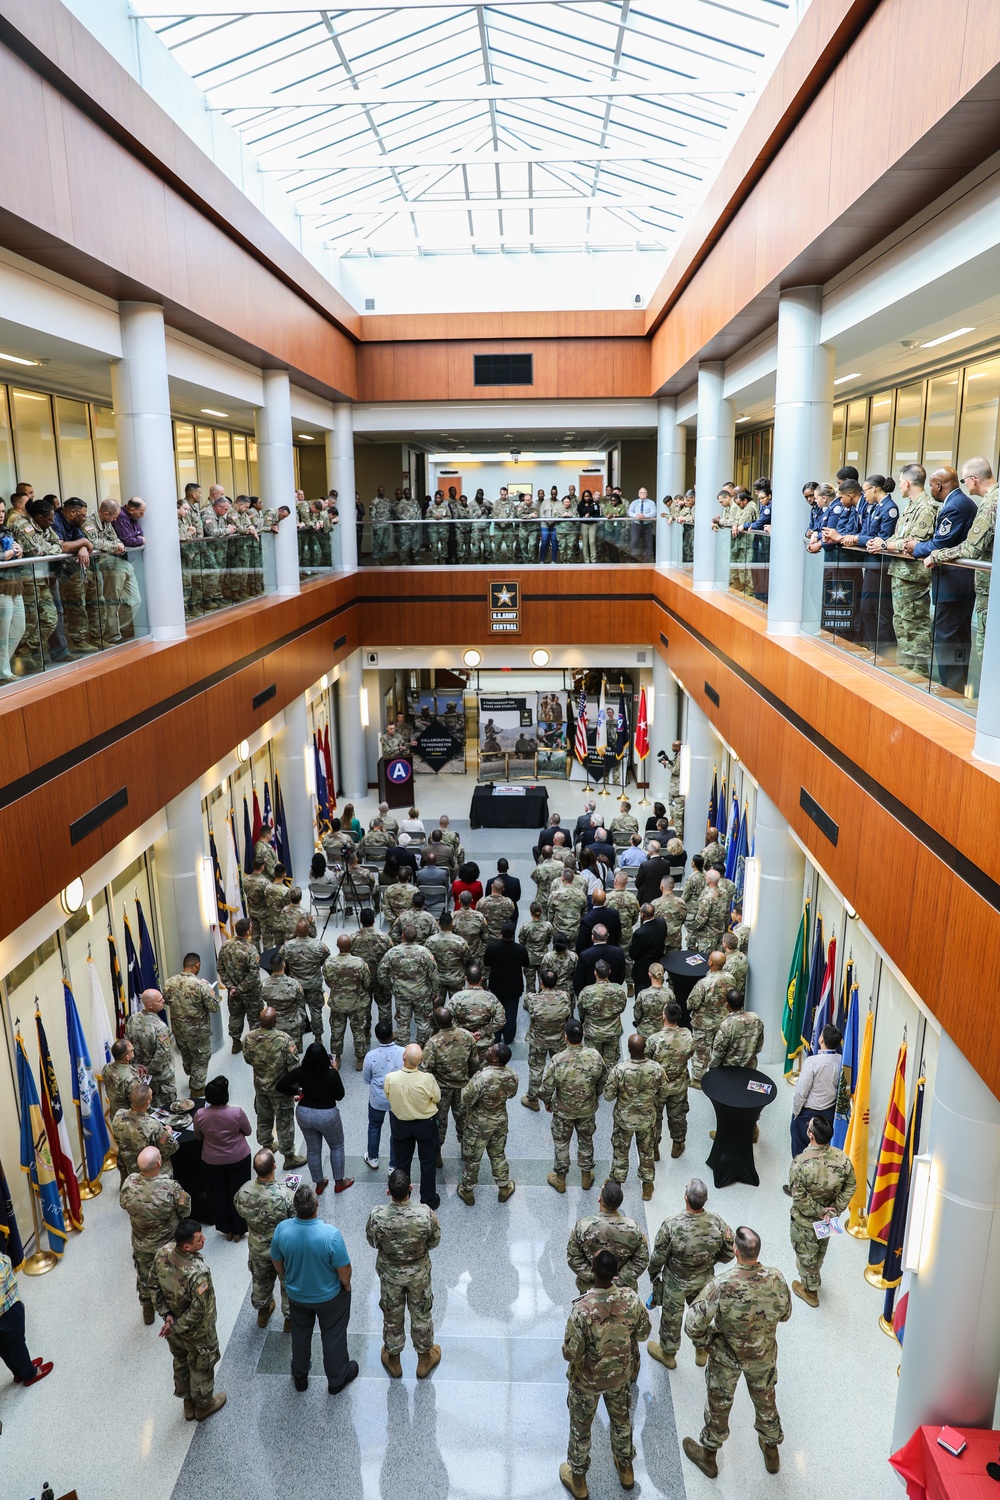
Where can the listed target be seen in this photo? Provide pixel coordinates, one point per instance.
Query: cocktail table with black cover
(685, 968)
(739, 1095)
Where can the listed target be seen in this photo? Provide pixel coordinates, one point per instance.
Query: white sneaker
(372, 1164)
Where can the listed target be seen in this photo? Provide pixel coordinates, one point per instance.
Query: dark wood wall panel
(442, 370)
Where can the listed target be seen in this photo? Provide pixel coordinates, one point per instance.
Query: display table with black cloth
(739, 1095)
(527, 809)
(930, 1472)
(189, 1170)
(684, 968)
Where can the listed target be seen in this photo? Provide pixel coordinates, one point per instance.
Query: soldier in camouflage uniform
(600, 1006)
(439, 514)
(822, 1182)
(571, 1087)
(185, 1298)
(739, 1039)
(451, 1056)
(740, 931)
(272, 1053)
(478, 1010)
(626, 905)
(451, 953)
(603, 1327)
(255, 889)
(673, 911)
(380, 512)
(134, 1128)
(548, 1009)
(371, 945)
(470, 536)
(155, 1204)
(264, 1203)
(350, 982)
(623, 826)
(417, 917)
(977, 476)
(292, 915)
(404, 1233)
(713, 850)
(910, 579)
(484, 1105)
(686, 1250)
(561, 959)
(411, 975)
(276, 898)
(239, 969)
(694, 886)
(535, 934)
(710, 918)
(398, 899)
(647, 1011)
(471, 926)
(285, 994)
(545, 873)
(608, 1229)
(153, 1047)
(377, 840)
(671, 1047)
(38, 539)
(707, 1008)
(263, 850)
(496, 909)
(567, 904)
(737, 965)
(193, 1003)
(638, 1089)
(406, 511)
(735, 1318)
(304, 956)
(120, 1076)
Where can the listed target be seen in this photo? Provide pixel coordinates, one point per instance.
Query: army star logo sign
(505, 608)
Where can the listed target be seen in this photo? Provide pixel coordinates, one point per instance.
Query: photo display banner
(507, 725)
(553, 713)
(438, 719)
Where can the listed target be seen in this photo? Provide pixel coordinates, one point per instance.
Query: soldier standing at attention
(600, 1006)
(304, 956)
(134, 1128)
(272, 1053)
(708, 921)
(255, 889)
(276, 898)
(120, 1075)
(601, 1330)
(155, 1205)
(185, 1299)
(496, 909)
(478, 1010)
(471, 926)
(284, 994)
(536, 935)
(685, 1253)
(451, 953)
(193, 1002)
(638, 1088)
(411, 975)
(451, 1057)
(708, 1009)
(549, 1009)
(671, 1047)
(239, 969)
(404, 1233)
(647, 1012)
(567, 904)
(371, 945)
(672, 909)
(153, 1047)
(739, 1039)
(350, 984)
(263, 850)
(735, 1317)
(608, 1229)
(737, 965)
(264, 1204)
(571, 1089)
(484, 1106)
(822, 1182)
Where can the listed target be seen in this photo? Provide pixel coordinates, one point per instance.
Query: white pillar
(276, 466)
(662, 730)
(294, 748)
(144, 437)
(353, 755)
(951, 1353)
(671, 454)
(987, 742)
(714, 464)
(704, 747)
(340, 477)
(803, 422)
(781, 868)
(179, 855)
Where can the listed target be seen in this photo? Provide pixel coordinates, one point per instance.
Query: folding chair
(323, 896)
(435, 899)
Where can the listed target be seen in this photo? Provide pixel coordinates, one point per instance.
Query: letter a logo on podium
(398, 772)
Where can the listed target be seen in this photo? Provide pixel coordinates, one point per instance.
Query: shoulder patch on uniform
(201, 1288)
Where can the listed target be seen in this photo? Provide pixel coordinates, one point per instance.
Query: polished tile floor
(491, 1421)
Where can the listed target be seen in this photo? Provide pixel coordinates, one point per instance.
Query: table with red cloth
(932, 1473)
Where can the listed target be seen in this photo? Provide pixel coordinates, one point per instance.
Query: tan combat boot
(812, 1298)
(558, 1182)
(772, 1458)
(467, 1195)
(428, 1361)
(188, 1409)
(574, 1482)
(530, 1103)
(217, 1402)
(647, 1191)
(625, 1475)
(656, 1351)
(507, 1191)
(264, 1314)
(586, 1178)
(701, 1357)
(676, 1149)
(391, 1364)
(702, 1458)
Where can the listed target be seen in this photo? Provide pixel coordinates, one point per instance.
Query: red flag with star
(641, 729)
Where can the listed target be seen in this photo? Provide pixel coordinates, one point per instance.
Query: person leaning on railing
(115, 576)
(40, 614)
(11, 598)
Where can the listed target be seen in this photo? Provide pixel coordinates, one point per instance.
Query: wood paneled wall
(570, 368)
(599, 323)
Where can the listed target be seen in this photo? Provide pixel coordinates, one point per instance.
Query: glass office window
(241, 473)
(106, 452)
(939, 428)
(857, 435)
(8, 474)
(254, 471)
(224, 463)
(205, 441)
(909, 419)
(35, 441)
(187, 468)
(76, 451)
(978, 430)
(836, 442)
(879, 435)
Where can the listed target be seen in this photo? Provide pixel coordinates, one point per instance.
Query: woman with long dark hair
(222, 1129)
(320, 1089)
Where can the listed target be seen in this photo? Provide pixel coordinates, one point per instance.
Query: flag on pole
(331, 785)
(848, 1070)
(823, 1015)
(892, 1270)
(247, 840)
(721, 824)
(888, 1166)
(231, 876)
(10, 1236)
(844, 1004)
(280, 830)
(601, 741)
(100, 1031)
(795, 996)
(36, 1154)
(621, 725)
(55, 1125)
(580, 742)
(133, 974)
(268, 815)
(641, 729)
(258, 823)
(856, 1142)
(713, 801)
(221, 909)
(147, 956)
(322, 803)
(815, 989)
(96, 1141)
(117, 991)
(733, 847)
(740, 866)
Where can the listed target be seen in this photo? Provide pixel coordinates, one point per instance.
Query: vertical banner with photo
(438, 719)
(507, 739)
(552, 741)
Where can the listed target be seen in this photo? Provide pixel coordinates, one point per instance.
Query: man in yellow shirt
(413, 1103)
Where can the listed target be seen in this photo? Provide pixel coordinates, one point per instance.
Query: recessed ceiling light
(15, 359)
(208, 411)
(955, 333)
(472, 657)
(540, 657)
(854, 375)
(305, 436)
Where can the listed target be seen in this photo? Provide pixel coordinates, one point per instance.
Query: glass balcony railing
(218, 572)
(319, 549)
(447, 542)
(54, 611)
(749, 565)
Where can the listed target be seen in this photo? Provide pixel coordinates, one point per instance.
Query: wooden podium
(395, 780)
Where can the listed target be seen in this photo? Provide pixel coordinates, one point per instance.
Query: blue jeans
(319, 1125)
(376, 1119)
(549, 539)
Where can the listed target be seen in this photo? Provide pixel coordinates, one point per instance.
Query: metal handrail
(65, 557)
(975, 564)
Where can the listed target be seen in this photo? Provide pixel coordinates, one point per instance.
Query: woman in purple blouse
(222, 1129)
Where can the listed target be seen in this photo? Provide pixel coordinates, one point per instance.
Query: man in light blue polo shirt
(314, 1267)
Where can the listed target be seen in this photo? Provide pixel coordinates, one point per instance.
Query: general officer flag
(36, 1154)
(795, 996)
(258, 823)
(96, 1141)
(641, 729)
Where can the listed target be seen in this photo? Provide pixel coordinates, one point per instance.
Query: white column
(144, 437)
(781, 869)
(704, 747)
(803, 422)
(951, 1354)
(294, 747)
(340, 477)
(179, 855)
(276, 466)
(714, 464)
(987, 742)
(353, 755)
(671, 453)
(662, 729)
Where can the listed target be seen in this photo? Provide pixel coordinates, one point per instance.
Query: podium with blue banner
(395, 780)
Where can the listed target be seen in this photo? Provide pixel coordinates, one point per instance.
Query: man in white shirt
(642, 514)
(816, 1090)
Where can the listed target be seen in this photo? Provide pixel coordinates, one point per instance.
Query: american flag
(580, 743)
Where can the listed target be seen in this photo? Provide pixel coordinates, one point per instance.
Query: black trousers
(13, 1349)
(422, 1134)
(224, 1182)
(510, 1025)
(333, 1318)
(952, 648)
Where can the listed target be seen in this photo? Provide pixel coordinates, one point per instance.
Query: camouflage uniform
(40, 613)
(192, 1002)
(638, 1089)
(713, 854)
(451, 1056)
(380, 512)
(685, 1253)
(182, 1286)
(693, 889)
(563, 966)
(133, 1132)
(536, 936)
(397, 900)
(544, 873)
(549, 1010)
(155, 1205)
(627, 907)
(451, 953)
(276, 898)
(255, 889)
(708, 1009)
(472, 927)
(372, 946)
(674, 912)
(411, 975)
(292, 915)
(272, 1053)
(602, 1332)
(264, 1205)
(119, 1079)
(911, 583)
(622, 828)
(423, 924)
(600, 1006)
(304, 959)
(607, 1231)
(978, 546)
(484, 1104)
(376, 841)
(408, 522)
(478, 1009)
(821, 1179)
(437, 518)
(472, 528)
(709, 921)
(350, 984)
(403, 1234)
(671, 1047)
(239, 969)
(264, 849)
(737, 966)
(738, 1041)
(742, 935)
(735, 1317)
(152, 1042)
(567, 904)
(571, 1085)
(647, 1012)
(495, 911)
(284, 994)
